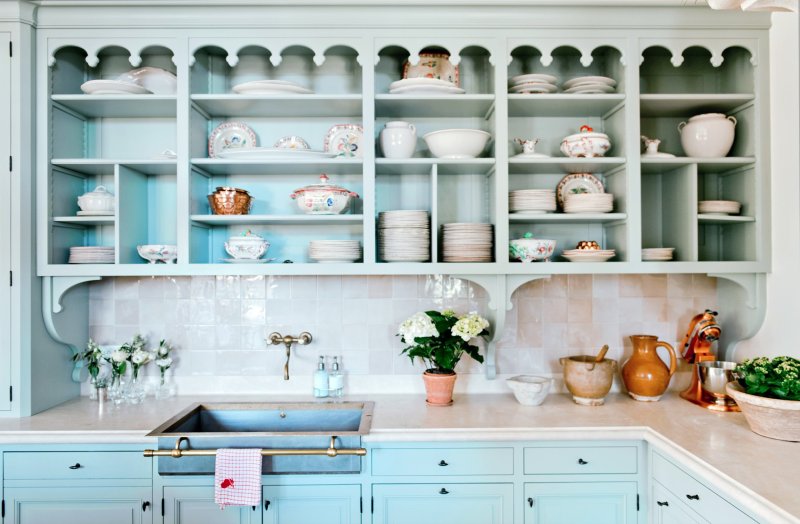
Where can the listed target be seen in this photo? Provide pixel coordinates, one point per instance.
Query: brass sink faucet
(275, 338)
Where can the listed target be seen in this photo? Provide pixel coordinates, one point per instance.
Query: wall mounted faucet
(276, 338)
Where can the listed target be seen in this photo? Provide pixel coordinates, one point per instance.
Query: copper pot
(230, 201)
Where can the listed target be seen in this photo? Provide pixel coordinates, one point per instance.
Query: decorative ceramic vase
(644, 374)
(588, 381)
(398, 139)
(708, 136)
(439, 388)
(770, 417)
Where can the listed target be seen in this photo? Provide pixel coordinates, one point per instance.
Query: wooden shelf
(562, 105)
(224, 220)
(684, 106)
(119, 106)
(279, 106)
(427, 106)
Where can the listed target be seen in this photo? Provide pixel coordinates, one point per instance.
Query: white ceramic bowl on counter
(708, 136)
(155, 253)
(529, 390)
(588, 143)
(457, 143)
(248, 246)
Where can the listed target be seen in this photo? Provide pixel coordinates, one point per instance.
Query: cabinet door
(5, 224)
(195, 505)
(79, 505)
(443, 503)
(580, 503)
(668, 509)
(319, 504)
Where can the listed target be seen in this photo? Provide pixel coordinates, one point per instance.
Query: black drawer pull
(77, 465)
(530, 501)
(145, 505)
(665, 503)
(582, 462)
(443, 463)
(443, 491)
(266, 505)
(693, 497)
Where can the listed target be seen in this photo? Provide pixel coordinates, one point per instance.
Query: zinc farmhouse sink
(296, 437)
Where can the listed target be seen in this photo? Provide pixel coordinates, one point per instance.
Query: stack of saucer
(424, 86)
(532, 201)
(588, 255)
(467, 242)
(589, 203)
(658, 253)
(532, 83)
(330, 251)
(719, 207)
(589, 85)
(91, 255)
(404, 236)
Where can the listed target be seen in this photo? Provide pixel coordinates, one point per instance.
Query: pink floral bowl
(530, 249)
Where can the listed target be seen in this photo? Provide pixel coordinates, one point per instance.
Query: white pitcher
(398, 139)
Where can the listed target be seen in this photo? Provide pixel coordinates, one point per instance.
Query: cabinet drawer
(695, 494)
(580, 460)
(62, 465)
(446, 461)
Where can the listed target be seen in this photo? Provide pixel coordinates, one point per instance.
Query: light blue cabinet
(668, 509)
(5, 224)
(320, 504)
(443, 502)
(581, 503)
(78, 505)
(195, 505)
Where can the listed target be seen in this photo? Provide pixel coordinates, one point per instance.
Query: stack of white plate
(424, 86)
(589, 203)
(719, 207)
(271, 87)
(589, 85)
(532, 83)
(532, 201)
(588, 255)
(331, 251)
(658, 253)
(467, 242)
(404, 236)
(91, 255)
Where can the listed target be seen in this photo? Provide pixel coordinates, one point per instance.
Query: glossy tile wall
(218, 324)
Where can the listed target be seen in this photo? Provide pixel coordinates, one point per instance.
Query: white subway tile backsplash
(218, 324)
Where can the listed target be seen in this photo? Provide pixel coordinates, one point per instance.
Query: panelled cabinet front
(581, 503)
(434, 503)
(151, 150)
(79, 505)
(195, 505)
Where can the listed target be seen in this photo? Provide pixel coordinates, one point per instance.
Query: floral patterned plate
(230, 135)
(433, 65)
(345, 141)
(577, 183)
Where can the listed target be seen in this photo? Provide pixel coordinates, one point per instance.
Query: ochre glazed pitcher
(644, 374)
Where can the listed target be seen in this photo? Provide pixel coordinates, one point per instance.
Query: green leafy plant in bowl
(768, 393)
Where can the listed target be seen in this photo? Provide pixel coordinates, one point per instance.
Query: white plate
(291, 142)
(230, 136)
(427, 90)
(533, 88)
(112, 87)
(572, 82)
(248, 260)
(345, 140)
(433, 65)
(95, 213)
(658, 155)
(577, 183)
(533, 77)
(154, 79)
(406, 82)
(271, 153)
(271, 87)
(593, 89)
(589, 258)
(531, 155)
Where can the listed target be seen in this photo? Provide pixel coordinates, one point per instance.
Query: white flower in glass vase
(139, 358)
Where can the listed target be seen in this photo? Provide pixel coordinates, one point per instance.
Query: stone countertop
(717, 447)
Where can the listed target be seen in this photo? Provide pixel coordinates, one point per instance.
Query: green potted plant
(768, 393)
(439, 340)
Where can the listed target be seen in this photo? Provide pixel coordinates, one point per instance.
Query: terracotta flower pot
(770, 417)
(439, 388)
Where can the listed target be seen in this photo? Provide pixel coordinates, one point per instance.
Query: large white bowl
(457, 143)
(708, 136)
(529, 390)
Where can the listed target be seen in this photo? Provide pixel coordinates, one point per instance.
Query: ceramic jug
(398, 139)
(644, 374)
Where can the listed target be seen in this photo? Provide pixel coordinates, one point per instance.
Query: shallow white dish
(406, 82)
(533, 77)
(577, 183)
(592, 257)
(248, 260)
(533, 87)
(271, 153)
(154, 79)
(96, 213)
(345, 141)
(457, 143)
(530, 155)
(230, 136)
(590, 89)
(427, 90)
(719, 207)
(112, 87)
(572, 82)
(271, 87)
(433, 65)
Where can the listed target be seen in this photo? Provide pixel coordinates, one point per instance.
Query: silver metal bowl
(715, 374)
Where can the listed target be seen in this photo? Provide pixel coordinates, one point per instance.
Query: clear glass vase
(135, 392)
(166, 387)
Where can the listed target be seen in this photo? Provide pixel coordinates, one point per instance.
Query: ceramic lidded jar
(97, 201)
(323, 198)
(587, 143)
(644, 374)
(708, 136)
(398, 139)
(247, 246)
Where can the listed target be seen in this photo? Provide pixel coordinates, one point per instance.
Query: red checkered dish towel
(237, 477)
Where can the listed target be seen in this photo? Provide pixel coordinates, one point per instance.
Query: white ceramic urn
(707, 136)
(398, 139)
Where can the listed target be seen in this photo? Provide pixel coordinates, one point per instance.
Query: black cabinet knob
(530, 501)
(77, 465)
(266, 505)
(693, 497)
(443, 463)
(443, 491)
(582, 462)
(145, 505)
(665, 503)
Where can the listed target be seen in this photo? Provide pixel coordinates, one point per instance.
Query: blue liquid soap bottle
(321, 379)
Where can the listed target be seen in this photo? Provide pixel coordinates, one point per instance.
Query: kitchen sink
(272, 426)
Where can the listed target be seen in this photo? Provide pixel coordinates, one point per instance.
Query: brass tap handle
(275, 338)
